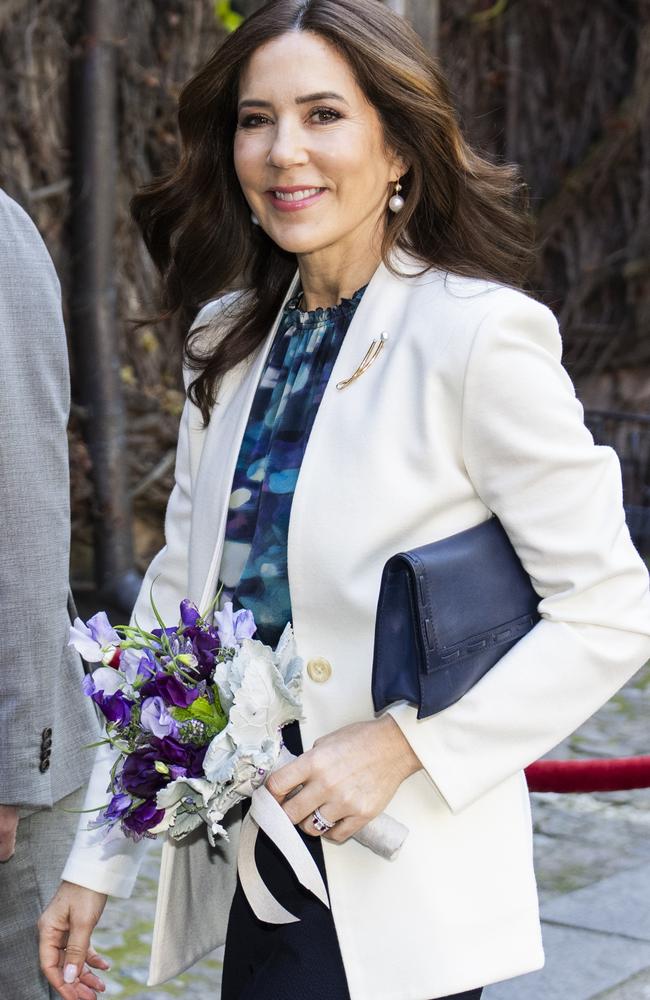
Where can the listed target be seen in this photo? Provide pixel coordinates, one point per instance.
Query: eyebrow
(322, 96)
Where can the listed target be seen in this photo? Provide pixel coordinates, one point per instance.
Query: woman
(329, 109)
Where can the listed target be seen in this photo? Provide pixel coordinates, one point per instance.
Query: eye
(250, 121)
(327, 111)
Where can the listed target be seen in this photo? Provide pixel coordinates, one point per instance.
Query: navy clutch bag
(446, 613)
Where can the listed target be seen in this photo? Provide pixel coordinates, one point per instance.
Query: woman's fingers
(329, 811)
(299, 806)
(89, 979)
(80, 991)
(281, 782)
(96, 960)
(345, 829)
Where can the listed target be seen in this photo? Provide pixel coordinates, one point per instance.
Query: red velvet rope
(611, 775)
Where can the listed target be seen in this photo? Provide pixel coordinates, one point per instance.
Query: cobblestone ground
(579, 840)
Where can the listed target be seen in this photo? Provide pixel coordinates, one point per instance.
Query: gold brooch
(371, 354)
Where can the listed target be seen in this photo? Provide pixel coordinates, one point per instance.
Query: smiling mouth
(296, 195)
(292, 200)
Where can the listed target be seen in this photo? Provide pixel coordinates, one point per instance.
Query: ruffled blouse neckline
(321, 313)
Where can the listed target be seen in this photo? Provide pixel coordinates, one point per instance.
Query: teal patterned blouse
(253, 567)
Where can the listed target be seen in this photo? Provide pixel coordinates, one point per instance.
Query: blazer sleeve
(35, 538)
(559, 497)
(111, 864)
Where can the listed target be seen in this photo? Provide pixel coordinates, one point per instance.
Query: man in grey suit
(45, 720)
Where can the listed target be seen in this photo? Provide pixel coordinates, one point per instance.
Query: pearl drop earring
(396, 203)
(254, 219)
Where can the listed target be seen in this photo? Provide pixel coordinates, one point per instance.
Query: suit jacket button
(319, 669)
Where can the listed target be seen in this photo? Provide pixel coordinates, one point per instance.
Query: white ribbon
(383, 835)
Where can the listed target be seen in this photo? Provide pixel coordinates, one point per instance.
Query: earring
(396, 203)
(254, 219)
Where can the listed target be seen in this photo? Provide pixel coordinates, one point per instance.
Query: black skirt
(299, 961)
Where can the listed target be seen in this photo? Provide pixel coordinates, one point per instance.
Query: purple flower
(139, 775)
(115, 707)
(189, 613)
(171, 751)
(170, 689)
(136, 663)
(117, 806)
(155, 717)
(103, 680)
(234, 626)
(170, 630)
(112, 813)
(204, 645)
(143, 818)
(88, 685)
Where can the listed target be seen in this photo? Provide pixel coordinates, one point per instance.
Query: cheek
(247, 158)
(356, 167)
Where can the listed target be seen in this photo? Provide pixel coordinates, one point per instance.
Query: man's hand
(65, 928)
(350, 775)
(8, 828)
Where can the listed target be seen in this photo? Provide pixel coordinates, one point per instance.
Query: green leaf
(92, 746)
(204, 711)
(228, 17)
(96, 809)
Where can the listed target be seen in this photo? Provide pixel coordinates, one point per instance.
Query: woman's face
(303, 123)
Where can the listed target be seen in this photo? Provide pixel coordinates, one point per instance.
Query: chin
(300, 244)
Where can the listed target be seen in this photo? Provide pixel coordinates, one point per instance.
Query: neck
(327, 278)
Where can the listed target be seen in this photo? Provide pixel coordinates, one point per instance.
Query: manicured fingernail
(69, 973)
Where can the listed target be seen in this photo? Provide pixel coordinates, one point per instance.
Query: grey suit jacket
(44, 717)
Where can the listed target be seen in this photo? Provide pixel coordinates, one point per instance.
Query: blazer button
(319, 669)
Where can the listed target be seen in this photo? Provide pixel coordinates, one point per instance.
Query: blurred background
(87, 113)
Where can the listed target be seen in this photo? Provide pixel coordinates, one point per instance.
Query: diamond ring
(319, 821)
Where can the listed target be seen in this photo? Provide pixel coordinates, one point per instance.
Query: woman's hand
(349, 775)
(65, 928)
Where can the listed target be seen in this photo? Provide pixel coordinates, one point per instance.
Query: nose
(287, 146)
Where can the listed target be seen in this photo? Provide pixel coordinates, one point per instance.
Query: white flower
(198, 789)
(96, 640)
(262, 703)
(226, 763)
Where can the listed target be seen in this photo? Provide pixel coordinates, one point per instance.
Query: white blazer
(467, 411)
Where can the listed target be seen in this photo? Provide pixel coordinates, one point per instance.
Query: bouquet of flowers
(195, 713)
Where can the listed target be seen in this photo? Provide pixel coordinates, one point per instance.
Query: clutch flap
(472, 592)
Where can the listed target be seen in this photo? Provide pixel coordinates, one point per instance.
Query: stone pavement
(592, 857)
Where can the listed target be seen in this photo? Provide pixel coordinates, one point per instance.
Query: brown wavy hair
(463, 213)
